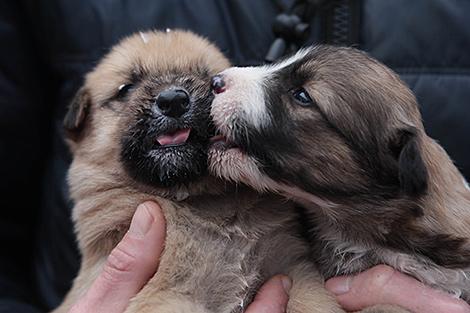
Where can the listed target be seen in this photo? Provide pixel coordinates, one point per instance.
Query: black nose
(218, 84)
(173, 102)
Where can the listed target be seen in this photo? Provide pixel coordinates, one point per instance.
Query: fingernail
(339, 285)
(286, 283)
(142, 220)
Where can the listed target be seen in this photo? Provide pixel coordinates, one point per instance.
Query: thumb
(272, 297)
(384, 285)
(130, 265)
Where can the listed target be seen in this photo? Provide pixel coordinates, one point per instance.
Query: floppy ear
(76, 115)
(412, 171)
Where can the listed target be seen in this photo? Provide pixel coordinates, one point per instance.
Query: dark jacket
(48, 45)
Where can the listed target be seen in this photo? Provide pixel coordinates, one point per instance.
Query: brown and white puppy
(139, 130)
(339, 132)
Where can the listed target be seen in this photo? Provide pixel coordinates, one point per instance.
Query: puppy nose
(218, 84)
(173, 102)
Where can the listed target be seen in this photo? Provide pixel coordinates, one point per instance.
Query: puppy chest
(219, 272)
(217, 268)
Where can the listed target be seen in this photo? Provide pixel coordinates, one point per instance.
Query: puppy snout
(173, 102)
(218, 84)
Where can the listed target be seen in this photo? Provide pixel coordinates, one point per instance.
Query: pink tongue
(176, 138)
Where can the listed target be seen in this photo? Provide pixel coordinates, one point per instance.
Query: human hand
(272, 297)
(129, 266)
(135, 260)
(384, 285)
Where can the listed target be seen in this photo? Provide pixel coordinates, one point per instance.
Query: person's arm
(384, 285)
(131, 264)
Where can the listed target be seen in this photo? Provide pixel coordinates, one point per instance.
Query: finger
(272, 297)
(130, 265)
(384, 285)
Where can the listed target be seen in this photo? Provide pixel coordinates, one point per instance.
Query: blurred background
(48, 45)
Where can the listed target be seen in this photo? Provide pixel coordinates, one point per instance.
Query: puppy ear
(76, 115)
(412, 171)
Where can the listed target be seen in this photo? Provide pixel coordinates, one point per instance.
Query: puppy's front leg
(308, 294)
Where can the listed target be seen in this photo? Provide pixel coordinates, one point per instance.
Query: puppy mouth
(175, 138)
(220, 141)
(223, 114)
(174, 155)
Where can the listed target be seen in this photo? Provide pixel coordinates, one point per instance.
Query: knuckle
(380, 275)
(382, 269)
(118, 265)
(372, 283)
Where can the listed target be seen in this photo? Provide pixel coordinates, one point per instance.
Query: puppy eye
(302, 97)
(123, 90)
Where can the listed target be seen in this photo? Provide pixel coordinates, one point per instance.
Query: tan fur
(223, 241)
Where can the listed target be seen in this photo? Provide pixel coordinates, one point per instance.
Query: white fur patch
(144, 37)
(244, 97)
(233, 165)
(299, 55)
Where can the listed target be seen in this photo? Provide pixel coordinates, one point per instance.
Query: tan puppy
(339, 132)
(139, 130)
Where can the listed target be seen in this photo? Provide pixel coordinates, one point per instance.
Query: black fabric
(425, 43)
(48, 45)
(24, 136)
